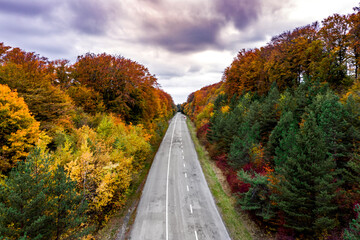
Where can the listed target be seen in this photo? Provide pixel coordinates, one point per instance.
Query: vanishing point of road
(176, 202)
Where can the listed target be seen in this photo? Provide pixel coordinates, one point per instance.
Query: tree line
(73, 137)
(284, 126)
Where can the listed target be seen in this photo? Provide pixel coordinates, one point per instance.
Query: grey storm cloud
(54, 28)
(24, 7)
(89, 16)
(197, 29)
(185, 37)
(240, 12)
(84, 16)
(177, 26)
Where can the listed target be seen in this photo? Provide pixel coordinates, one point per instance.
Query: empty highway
(176, 202)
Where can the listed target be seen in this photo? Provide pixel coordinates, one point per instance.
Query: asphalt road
(176, 202)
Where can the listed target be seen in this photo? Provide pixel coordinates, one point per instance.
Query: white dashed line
(196, 237)
(187, 187)
(191, 209)
(185, 175)
(184, 164)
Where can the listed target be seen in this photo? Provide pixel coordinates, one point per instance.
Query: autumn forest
(284, 127)
(73, 137)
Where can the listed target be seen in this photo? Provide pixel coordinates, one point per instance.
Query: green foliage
(282, 139)
(269, 113)
(224, 126)
(257, 199)
(286, 117)
(24, 202)
(40, 203)
(67, 206)
(254, 126)
(353, 232)
(307, 171)
(308, 188)
(248, 135)
(332, 119)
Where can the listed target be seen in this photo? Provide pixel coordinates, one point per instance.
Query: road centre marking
(196, 235)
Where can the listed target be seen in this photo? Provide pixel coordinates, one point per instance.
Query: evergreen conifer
(24, 206)
(307, 189)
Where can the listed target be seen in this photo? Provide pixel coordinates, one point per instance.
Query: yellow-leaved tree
(133, 140)
(103, 173)
(19, 131)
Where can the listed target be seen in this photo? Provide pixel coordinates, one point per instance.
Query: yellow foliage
(204, 116)
(18, 129)
(257, 155)
(115, 181)
(133, 140)
(88, 237)
(102, 161)
(2, 179)
(64, 154)
(354, 91)
(225, 109)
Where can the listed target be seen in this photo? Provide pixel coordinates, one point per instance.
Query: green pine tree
(331, 117)
(224, 126)
(269, 113)
(353, 233)
(352, 108)
(341, 138)
(246, 136)
(307, 189)
(282, 138)
(304, 95)
(24, 206)
(67, 207)
(37, 203)
(257, 199)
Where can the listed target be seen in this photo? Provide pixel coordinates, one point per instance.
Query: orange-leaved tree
(18, 129)
(31, 75)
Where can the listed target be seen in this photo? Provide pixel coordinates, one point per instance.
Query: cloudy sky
(186, 43)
